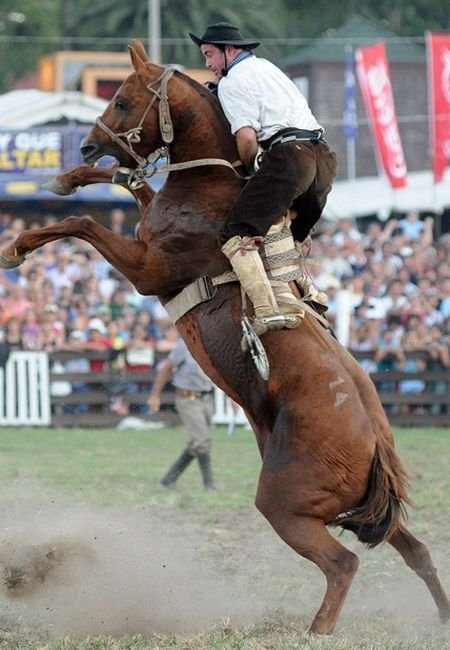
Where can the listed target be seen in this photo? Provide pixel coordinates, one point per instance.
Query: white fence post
(25, 390)
(223, 412)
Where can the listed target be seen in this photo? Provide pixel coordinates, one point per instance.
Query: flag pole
(154, 30)
(350, 118)
(351, 159)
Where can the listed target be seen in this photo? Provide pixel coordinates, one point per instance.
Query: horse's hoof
(57, 188)
(10, 263)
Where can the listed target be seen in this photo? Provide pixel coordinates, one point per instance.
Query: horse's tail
(382, 510)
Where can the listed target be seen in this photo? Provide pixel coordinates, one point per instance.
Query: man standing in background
(194, 403)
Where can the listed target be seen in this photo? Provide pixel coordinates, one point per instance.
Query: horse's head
(155, 111)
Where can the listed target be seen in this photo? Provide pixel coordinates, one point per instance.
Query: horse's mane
(207, 96)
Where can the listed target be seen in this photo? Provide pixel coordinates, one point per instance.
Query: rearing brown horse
(327, 450)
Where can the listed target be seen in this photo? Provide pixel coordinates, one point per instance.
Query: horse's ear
(137, 53)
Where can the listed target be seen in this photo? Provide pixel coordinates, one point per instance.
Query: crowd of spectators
(397, 275)
(66, 296)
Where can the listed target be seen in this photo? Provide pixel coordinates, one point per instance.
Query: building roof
(373, 195)
(357, 32)
(21, 109)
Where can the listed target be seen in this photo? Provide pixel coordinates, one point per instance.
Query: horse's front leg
(83, 175)
(80, 176)
(130, 257)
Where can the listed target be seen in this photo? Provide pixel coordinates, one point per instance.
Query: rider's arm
(247, 146)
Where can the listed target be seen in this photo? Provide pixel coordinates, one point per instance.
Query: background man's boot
(177, 468)
(204, 460)
(247, 264)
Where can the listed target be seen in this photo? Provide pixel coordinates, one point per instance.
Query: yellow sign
(21, 187)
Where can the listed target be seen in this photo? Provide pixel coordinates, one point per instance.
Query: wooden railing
(86, 399)
(91, 405)
(430, 407)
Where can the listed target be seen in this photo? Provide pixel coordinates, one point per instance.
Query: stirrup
(275, 322)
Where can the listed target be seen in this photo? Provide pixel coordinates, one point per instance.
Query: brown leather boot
(247, 264)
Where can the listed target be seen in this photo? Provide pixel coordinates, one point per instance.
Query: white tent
(21, 109)
(373, 195)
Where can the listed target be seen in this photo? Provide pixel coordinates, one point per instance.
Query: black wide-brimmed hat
(223, 34)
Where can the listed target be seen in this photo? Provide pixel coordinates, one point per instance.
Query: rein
(146, 167)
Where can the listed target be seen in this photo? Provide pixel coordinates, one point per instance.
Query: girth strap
(199, 291)
(205, 288)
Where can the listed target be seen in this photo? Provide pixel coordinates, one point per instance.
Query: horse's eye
(120, 104)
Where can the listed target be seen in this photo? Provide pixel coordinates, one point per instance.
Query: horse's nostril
(88, 151)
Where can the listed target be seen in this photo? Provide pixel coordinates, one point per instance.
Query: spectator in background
(12, 334)
(411, 225)
(31, 330)
(117, 223)
(168, 340)
(438, 349)
(363, 339)
(138, 357)
(52, 335)
(63, 272)
(444, 296)
(76, 343)
(347, 232)
(15, 302)
(194, 403)
(388, 356)
(335, 264)
(97, 340)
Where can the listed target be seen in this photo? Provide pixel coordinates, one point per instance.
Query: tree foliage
(20, 25)
(109, 24)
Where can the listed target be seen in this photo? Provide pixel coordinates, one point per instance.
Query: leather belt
(191, 394)
(290, 135)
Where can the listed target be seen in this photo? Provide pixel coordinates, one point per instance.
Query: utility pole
(154, 30)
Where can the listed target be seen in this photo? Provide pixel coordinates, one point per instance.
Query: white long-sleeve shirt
(256, 93)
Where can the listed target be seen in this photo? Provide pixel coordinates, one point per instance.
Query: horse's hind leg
(310, 538)
(417, 557)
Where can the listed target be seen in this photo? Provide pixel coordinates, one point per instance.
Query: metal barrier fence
(25, 390)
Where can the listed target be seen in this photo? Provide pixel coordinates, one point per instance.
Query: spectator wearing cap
(97, 340)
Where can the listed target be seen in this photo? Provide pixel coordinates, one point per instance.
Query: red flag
(375, 83)
(438, 57)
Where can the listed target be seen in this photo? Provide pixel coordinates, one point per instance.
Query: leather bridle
(126, 139)
(146, 167)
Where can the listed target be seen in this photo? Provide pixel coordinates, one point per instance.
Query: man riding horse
(282, 146)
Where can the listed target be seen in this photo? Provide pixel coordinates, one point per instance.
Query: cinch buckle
(206, 288)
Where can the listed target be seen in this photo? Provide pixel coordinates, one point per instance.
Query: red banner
(375, 83)
(438, 57)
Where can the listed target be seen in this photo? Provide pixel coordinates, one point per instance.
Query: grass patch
(108, 469)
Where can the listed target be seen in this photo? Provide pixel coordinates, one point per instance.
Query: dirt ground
(77, 571)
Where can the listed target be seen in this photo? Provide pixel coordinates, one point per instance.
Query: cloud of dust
(84, 571)
(75, 571)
